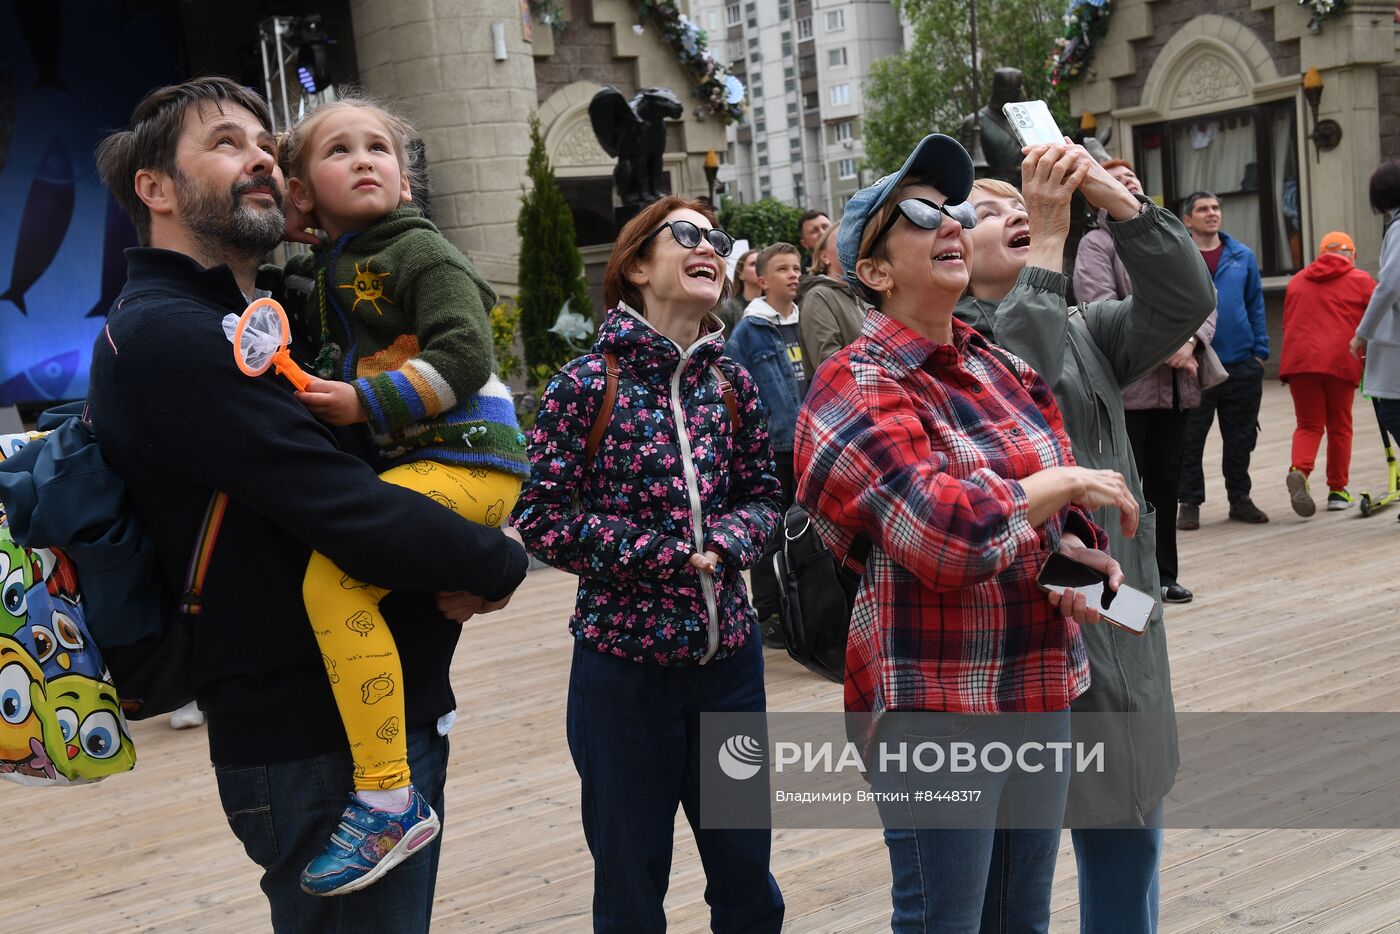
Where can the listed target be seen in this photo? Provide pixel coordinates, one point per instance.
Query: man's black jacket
(175, 416)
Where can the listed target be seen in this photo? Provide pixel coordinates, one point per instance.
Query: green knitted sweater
(403, 317)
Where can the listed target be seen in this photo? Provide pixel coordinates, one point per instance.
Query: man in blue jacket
(1242, 343)
(197, 172)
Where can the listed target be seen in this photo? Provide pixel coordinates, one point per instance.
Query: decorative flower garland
(550, 13)
(1086, 22)
(721, 91)
(1322, 10)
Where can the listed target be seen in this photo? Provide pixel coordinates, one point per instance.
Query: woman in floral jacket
(679, 497)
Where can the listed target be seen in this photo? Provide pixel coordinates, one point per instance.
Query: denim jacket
(758, 346)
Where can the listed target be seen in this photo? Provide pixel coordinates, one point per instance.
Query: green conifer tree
(551, 268)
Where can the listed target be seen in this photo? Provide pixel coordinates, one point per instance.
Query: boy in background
(766, 343)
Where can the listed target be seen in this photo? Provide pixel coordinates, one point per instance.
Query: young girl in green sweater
(405, 346)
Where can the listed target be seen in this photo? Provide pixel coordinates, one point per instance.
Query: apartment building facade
(804, 63)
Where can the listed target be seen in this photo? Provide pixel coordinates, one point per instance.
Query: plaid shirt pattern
(918, 447)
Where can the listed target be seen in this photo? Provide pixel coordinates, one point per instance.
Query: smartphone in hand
(1125, 607)
(1032, 123)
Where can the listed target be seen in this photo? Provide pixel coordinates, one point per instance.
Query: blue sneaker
(368, 843)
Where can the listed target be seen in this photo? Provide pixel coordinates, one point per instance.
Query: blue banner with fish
(70, 72)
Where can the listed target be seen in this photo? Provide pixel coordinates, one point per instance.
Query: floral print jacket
(670, 478)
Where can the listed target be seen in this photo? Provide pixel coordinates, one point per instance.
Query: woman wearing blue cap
(947, 457)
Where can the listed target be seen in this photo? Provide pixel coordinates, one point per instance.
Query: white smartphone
(1125, 607)
(1032, 123)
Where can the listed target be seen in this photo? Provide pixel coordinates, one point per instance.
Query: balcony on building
(802, 19)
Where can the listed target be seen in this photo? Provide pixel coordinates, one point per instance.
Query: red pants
(1323, 403)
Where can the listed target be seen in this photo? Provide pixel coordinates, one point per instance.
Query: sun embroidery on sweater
(369, 287)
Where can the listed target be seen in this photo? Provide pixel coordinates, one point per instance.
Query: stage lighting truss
(296, 67)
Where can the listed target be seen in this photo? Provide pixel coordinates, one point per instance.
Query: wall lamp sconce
(1326, 134)
(498, 41)
(711, 172)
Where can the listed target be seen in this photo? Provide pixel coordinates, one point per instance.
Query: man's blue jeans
(960, 880)
(284, 813)
(1119, 877)
(634, 732)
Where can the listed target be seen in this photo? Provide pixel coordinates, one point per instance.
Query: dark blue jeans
(284, 813)
(1119, 877)
(634, 733)
(961, 880)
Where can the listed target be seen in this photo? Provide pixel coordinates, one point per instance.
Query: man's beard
(224, 225)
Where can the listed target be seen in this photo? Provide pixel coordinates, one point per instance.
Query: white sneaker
(187, 717)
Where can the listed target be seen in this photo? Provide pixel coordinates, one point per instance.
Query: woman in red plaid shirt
(949, 457)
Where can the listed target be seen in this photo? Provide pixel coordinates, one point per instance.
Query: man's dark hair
(1189, 204)
(1385, 187)
(807, 216)
(154, 134)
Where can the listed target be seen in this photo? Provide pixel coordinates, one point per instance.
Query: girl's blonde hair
(818, 263)
(296, 142)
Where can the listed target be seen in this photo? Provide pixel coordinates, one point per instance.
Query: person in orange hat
(1337, 242)
(1321, 309)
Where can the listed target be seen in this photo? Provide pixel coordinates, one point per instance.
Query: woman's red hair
(628, 249)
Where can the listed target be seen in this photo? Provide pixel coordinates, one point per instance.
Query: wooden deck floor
(1293, 615)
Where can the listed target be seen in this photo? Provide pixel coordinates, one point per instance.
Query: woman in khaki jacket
(1088, 351)
(831, 312)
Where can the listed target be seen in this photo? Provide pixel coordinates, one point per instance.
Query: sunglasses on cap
(921, 212)
(689, 236)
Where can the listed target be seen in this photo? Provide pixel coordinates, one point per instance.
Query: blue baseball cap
(939, 158)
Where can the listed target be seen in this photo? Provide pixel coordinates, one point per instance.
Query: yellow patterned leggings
(361, 659)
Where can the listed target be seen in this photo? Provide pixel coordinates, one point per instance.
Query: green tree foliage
(760, 222)
(551, 268)
(928, 88)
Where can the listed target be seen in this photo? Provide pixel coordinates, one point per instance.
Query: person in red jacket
(1323, 305)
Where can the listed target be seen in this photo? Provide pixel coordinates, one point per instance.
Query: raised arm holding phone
(1087, 352)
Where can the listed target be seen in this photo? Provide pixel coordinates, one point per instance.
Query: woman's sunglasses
(927, 214)
(689, 236)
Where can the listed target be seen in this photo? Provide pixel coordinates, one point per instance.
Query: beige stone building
(1207, 94)
(441, 62)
